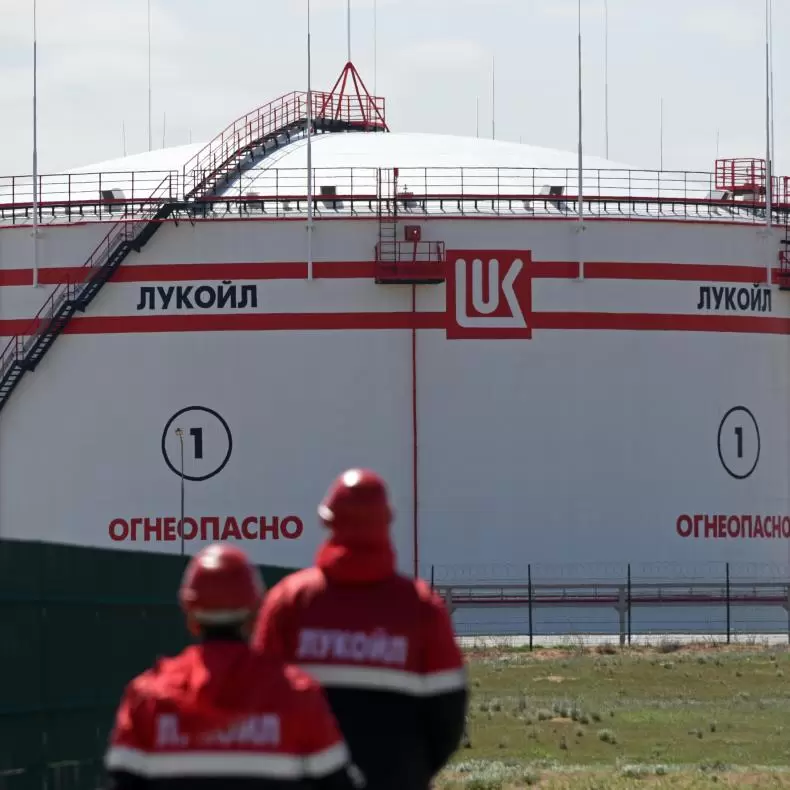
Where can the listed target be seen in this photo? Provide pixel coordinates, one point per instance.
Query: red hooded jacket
(219, 715)
(383, 648)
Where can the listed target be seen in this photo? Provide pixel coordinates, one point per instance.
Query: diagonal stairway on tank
(24, 351)
(347, 107)
(238, 148)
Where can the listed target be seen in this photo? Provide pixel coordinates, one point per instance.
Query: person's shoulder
(296, 586)
(158, 680)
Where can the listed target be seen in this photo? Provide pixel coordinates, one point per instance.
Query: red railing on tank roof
(750, 176)
(452, 191)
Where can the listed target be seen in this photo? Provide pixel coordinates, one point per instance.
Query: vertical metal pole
(310, 149)
(348, 24)
(375, 48)
(433, 576)
(182, 496)
(771, 60)
(493, 98)
(629, 603)
(606, 74)
(180, 435)
(529, 595)
(35, 146)
(788, 613)
(729, 622)
(581, 148)
(150, 121)
(769, 164)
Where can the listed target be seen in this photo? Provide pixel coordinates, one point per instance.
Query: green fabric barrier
(77, 624)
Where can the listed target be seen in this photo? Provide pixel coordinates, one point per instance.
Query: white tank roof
(430, 164)
(162, 159)
(375, 150)
(348, 163)
(426, 150)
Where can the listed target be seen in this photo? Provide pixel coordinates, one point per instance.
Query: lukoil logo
(489, 294)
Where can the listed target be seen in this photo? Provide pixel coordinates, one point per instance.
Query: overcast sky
(214, 60)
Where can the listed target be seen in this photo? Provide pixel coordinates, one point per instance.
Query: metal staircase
(26, 350)
(410, 260)
(387, 247)
(784, 257)
(347, 107)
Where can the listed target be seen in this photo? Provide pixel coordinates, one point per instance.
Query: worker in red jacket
(382, 645)
(218, 714)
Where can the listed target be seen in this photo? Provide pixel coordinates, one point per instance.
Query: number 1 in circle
(197, 435)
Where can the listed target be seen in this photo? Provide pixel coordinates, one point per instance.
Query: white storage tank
(539, 385)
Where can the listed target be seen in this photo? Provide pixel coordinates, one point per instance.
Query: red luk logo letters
(489, 294)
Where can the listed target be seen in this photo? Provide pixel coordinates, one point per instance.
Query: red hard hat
(358, 498)
(220, 586)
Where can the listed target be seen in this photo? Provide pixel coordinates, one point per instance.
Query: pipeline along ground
(665, 717)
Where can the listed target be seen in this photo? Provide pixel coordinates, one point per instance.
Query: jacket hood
(357, 557)
(207, 682)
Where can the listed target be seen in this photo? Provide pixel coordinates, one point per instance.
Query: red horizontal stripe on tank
(294, 322)
(352, 270)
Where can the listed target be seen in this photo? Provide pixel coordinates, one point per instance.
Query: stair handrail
(166, 192)
(255, 125)
(99, 257)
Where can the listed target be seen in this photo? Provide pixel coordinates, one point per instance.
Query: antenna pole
(581, 147)
(348, 24)
(150, 134)
(375, 48)
(35, 147)
(768, 141)
(606, 74)
(768, 114)
(310, 149)
(493, 98)
(771, 58)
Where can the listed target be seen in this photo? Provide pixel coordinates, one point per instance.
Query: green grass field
(666, 717)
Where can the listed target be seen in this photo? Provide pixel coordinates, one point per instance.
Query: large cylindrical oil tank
(544, 391)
